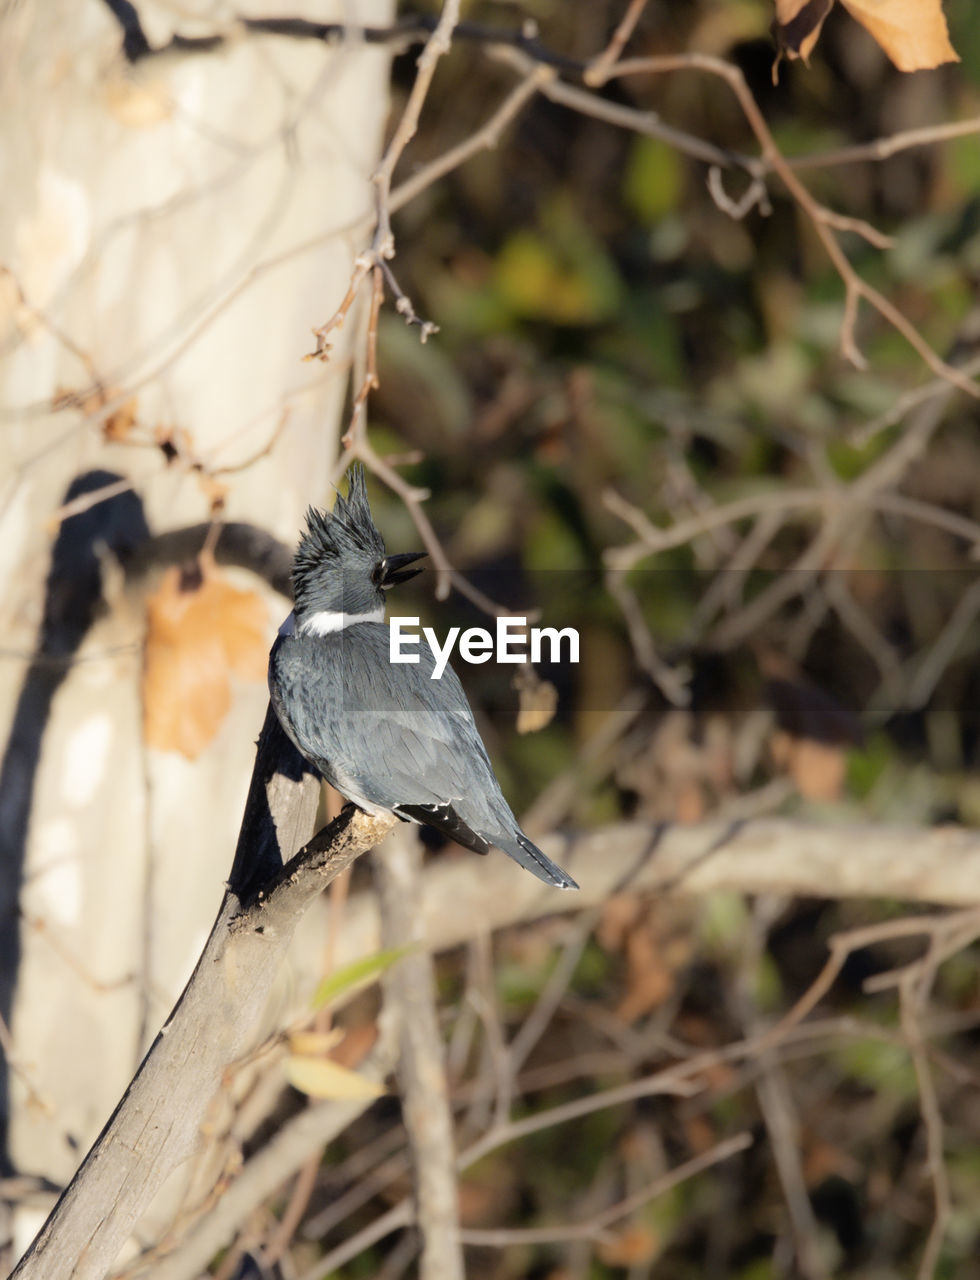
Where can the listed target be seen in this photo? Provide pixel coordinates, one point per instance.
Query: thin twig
(673, 682)
(855, 286)
(597, 71)
(357, 426)
(776, 1100)
(362, 265)
(596, 1228)
(485, 138)
(394, 1220)
(892, 144)
(648, 123)
(435, 48)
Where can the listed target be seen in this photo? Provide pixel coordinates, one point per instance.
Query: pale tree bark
(160, 1120)
(171, 233)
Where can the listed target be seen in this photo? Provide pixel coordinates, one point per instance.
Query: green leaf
(722, 922)
(355, 974)
(654, 179)
(561, 273)
(879, 1065)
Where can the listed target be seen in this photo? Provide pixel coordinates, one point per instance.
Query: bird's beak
(395, 571)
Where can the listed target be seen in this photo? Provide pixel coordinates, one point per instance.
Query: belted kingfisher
(384, 734)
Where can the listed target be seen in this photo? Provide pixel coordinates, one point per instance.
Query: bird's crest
(348, 530)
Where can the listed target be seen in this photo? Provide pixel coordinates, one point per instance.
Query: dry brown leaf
(356, 1044)
(119, 424)
(654, 951)
(537, 700)
(199, 628)
(688, 801)
(824, 1160)
(817, 768)
(797, 25)
(618, 915)
(700, 1133)
(912, 32)
(323, 1078)
(478, 1202)
(649, 981)
(633, 1247)
(537, 707)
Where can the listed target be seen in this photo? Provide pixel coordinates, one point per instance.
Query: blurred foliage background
(636, 419)
(606, 327)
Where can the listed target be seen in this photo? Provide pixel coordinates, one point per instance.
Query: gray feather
(387, 736)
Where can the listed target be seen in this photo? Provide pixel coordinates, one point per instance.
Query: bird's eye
(378, 572)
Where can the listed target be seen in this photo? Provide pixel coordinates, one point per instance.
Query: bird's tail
(530, 857)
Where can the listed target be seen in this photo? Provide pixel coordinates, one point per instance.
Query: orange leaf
(198, 629)
(797, 25)
(537, 705)
(818, 768)
(650, 981)
(119, 424)
(240, 618)
(355, 1046)
(912, 32)
(633, 1247)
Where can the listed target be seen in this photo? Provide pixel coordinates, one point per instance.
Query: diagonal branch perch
(157, 1124)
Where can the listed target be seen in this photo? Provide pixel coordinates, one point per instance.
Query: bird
(385, 735)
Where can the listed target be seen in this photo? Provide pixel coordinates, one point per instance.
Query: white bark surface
(154, 220)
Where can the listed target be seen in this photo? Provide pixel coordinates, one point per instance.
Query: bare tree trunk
(170, 232)
(158, 1122)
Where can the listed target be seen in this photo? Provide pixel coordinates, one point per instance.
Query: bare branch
(931, 864)
(305, 1135)
(596, 1228)
(435, 47)
(484, 138)
(158, 1122)
(882, 148)
(822, 219)
(588, 103)
(597, 72)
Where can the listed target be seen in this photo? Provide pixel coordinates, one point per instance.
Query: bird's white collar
(325, 622)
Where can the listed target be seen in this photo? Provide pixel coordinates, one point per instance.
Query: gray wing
(385, 731)
(388, 736)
